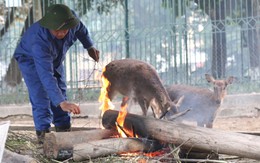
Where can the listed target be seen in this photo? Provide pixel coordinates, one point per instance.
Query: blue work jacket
(39, 47)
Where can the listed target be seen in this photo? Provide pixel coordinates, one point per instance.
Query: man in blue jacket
(40, 55)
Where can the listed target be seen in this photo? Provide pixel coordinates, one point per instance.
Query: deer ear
(209, 78)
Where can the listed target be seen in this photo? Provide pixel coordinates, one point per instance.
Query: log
(195, 138)
(59, 145)
(94, 149)
(9, 156)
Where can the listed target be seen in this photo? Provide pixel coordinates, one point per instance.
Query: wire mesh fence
(182, 39)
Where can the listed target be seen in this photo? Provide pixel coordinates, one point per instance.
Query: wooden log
(59, 145)
(94, 149)
(196, 138)
(9, 156)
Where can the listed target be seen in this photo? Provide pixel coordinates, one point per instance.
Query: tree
(13, 75)
(216, 10)
(252, 39)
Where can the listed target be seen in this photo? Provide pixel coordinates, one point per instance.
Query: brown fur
(139, 81)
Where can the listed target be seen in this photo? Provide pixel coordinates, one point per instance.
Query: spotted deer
(138, 81)
(203, 103)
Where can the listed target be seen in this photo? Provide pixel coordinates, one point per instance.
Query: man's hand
(70, 107)
(94, 53)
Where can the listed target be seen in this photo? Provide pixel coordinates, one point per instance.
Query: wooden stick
(198, 138)
(178, 115)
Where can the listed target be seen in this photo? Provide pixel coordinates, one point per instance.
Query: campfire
(126, 133)
(108, 105)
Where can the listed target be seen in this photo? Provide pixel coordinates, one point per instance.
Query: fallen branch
(178, 115)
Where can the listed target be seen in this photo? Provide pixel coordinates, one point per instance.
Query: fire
(121, 120)
(106, 102)
(156, 153)
(159, 153)
(124, 132)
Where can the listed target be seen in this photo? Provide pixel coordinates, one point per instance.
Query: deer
(204, 104)
(139, 82)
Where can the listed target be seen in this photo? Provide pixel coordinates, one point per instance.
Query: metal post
(126, 30)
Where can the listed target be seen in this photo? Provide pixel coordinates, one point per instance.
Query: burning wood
(197, 138)
(94, 149)
(121, 119)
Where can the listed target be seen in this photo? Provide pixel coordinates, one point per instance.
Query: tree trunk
(59, 145)
(9, 156)
(219, 50)
(13, 75)
(94, 149)
(195, 138)
(37, 10)
(8, 21)
(252, 39)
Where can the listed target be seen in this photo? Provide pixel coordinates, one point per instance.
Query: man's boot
(66, 128)
(41, 135)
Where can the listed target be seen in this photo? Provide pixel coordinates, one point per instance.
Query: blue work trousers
(44, 112)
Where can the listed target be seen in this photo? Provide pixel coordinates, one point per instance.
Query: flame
(156, 153)
(106, 102)
(121, 120)
(124, 132)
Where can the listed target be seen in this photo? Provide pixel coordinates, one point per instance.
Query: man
(40, 55)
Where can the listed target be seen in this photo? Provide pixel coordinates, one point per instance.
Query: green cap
(59, 17)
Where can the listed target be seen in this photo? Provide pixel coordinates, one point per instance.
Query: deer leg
(153, 112)
(155, 107)
(130, 102)
(144, 106)
(124, 101)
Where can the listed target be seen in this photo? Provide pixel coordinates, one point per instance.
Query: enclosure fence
(182, 39)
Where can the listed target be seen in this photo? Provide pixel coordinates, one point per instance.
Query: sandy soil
(239, 124)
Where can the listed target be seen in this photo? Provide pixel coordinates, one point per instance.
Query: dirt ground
(22, 140)
(239, 124)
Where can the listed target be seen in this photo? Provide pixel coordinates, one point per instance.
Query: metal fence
(182, 39)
